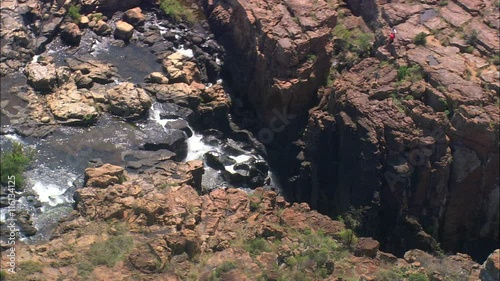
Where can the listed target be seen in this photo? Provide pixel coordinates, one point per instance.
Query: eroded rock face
(283, 48)
(425, 141)
(127, 100)
(490, 270)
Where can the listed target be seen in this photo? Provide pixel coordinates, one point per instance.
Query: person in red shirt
(392, 36)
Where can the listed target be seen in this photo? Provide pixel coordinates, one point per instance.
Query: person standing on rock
(392, 36)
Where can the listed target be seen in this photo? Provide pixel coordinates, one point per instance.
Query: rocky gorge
(183, 134)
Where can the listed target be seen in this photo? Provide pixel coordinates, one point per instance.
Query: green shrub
(420, 39)
(355, 39)
(177, 11)
(394, 274)
(257, 246)
(312, 58)
(472, 37)
(469, 49)
(412, 73)
(418, 277)
(74, 12)
(110, 251)
(402, 72)
(495, 59)
(220, 270)
(348, 238)
(85, 269)
(14, 163)
(24, 270)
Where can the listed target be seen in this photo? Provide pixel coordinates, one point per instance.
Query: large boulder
(123, 31)
(71, 34)
(179, 93)
(104, 176)
(41, 76)
(128, 101)
(69, 105)
(156, 138)
(134, 16)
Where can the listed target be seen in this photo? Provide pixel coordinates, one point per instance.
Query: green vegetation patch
(176, 10)
(257, 246)
(110, 251)
(356, 40)
(420, 39)
(14, 163)
(74, 13)
(24, 270)
(413, 73)
(223, 268)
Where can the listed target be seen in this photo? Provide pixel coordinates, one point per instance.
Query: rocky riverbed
(90, 96)
(153, 135)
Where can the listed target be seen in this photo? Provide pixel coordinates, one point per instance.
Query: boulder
(71, 34)
(103, 176)
(69, 105)
(217, 160)
(173, 111)
(84, 21)
(42, 77)
(157, 78)
(214, 108)
(134, 16)
(101, 28)
(123, 31)
(178, 93)
(156, 137)
(127, 100)
(367, 247)
(180, 125)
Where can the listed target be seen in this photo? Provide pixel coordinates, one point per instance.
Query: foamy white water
(186, 52)
(196, 147)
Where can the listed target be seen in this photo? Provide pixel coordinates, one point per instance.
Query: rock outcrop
(157, 225)
(491, 267)
(279, 51)
(415, 130)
